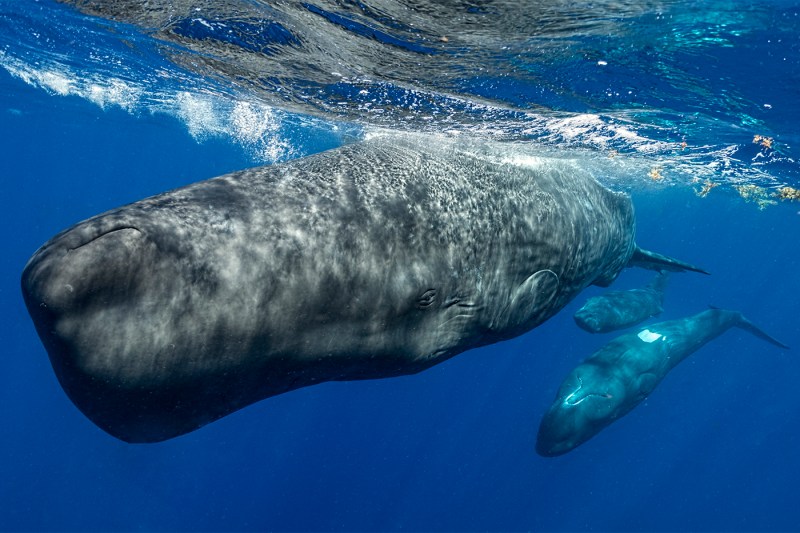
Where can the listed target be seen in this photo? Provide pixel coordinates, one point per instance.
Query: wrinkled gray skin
(621, 309)
(372, 260)
(616, 378)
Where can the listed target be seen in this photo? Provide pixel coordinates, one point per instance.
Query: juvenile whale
(616, 378)
(372, 260)
(615, 310)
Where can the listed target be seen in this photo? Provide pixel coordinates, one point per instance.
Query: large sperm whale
(615, 310)
(372, 260)
(616, 378)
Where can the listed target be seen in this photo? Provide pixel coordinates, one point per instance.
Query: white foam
(258, 128)
(254, 126)
(200, 115)
(115, 93)
(54, 81)
(591, 130)
(258, 125)
(62, 81)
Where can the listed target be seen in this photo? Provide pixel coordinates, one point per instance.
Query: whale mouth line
(105, 234)
(577, 397)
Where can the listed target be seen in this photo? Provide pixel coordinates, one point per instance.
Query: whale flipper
(534, 295)
(655, 261)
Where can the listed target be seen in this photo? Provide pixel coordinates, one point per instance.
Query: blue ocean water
(95, 113)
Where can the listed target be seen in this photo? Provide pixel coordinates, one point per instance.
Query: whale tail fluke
(745, 324)
(655, 261)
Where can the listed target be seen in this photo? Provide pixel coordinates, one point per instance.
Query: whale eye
(427, 299)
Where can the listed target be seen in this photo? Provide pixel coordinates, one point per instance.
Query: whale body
(621, 309)
(372, 260)
(616, 378)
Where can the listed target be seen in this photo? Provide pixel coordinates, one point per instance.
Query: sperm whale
(375, 259)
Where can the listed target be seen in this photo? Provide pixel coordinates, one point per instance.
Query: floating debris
(765, 142)
(707, 186)
(758, 195)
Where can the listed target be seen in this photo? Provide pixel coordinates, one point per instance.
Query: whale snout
(558, 434)
(77, 277)
(112, 306)
(81, 268)
(587, 321)
(588, 400)
(74, 288)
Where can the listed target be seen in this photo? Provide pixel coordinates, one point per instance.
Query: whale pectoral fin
(531, 300)
(646, 383)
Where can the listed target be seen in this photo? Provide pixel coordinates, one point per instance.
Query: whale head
(85, 289)
(588, 400)
(587, 318)
(117, 301)
(601, 314)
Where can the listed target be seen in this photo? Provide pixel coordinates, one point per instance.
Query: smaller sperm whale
(615, 379)
(615, 310)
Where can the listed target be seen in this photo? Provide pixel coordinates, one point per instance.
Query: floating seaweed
(655, 174)
(758, 195)
(788, 193)
(765, 142)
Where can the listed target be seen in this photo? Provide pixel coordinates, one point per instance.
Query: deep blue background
(714, 448)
